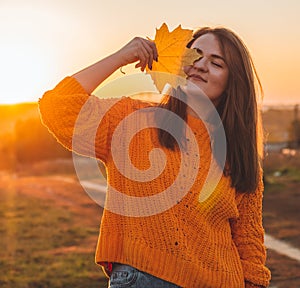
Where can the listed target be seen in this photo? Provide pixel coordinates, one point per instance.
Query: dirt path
(64, 191)
(271, 242)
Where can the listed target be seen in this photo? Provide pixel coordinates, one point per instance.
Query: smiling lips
(196, 77)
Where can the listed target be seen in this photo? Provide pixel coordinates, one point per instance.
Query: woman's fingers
(147, 52)
(145, 55)
(139, 49)
(150, 49)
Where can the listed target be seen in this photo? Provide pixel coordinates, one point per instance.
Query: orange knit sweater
(213, 243)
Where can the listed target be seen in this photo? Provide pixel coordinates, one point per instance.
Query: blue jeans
(124, 276)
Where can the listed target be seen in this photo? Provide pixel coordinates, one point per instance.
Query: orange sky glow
(44, 41)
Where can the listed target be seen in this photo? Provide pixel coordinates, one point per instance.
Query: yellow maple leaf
(172, 56)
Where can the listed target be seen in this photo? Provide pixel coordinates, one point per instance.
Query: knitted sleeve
(248, 236)
(77, 120)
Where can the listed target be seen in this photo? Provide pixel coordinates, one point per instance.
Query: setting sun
(25, 71)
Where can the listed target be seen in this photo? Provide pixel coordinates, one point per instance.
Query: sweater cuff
(69, 85)
(257, 274)
(251, 285)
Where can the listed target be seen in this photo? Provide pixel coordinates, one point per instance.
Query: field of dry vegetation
(48, 229)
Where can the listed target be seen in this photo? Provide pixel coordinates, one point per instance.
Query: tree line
(29, 142)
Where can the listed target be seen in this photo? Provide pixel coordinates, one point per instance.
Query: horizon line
(264, 104)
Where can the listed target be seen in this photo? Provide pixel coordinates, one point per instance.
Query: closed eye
(217, 64)
(199, 51)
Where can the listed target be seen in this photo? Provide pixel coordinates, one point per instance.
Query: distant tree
(295, 129)
(7, 151)
(296, 126)
(34, 142)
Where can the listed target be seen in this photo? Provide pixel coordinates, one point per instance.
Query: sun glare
(23, 69)
(24, 64)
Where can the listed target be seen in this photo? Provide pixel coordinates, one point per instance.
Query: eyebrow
(212, 55)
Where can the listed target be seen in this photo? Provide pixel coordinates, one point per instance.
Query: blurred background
(48, 224)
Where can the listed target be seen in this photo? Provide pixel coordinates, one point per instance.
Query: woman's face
(210, 72)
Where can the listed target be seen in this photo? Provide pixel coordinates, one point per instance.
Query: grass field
(282, 215)
(49, 227)
(47, 236)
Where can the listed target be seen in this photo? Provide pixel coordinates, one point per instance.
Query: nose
(201, 64)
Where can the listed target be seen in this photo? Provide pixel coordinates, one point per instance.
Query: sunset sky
(44, 41)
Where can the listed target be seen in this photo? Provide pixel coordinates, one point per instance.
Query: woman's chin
(194, 91)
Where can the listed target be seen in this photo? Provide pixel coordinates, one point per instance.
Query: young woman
(215, 242)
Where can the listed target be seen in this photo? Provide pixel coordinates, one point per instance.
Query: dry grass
(48, 232)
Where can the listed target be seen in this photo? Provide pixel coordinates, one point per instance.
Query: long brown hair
(237, 109)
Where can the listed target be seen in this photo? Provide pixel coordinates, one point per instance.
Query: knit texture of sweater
(171, 233)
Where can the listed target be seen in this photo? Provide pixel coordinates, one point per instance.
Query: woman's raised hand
(138, 49)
